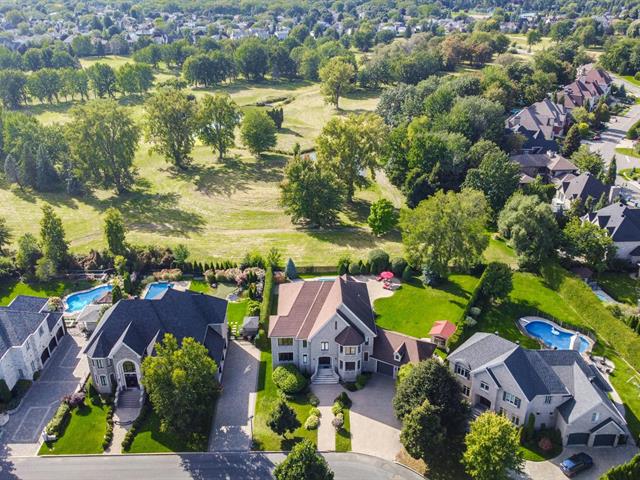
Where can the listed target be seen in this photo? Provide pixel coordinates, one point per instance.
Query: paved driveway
(231, 429)
(374, 427)
(60, 377)
(603, 457)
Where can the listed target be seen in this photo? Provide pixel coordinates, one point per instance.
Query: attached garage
(59, 333)
(45, 356)
(384, 368)
(53, 344)
(578, 439)
(608, 440)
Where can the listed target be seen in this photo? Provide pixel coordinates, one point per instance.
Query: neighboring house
(591, 84)
(534, 142)
(89, 317)
(29, 333)
(550, 166)
(558, 387)
(130, 329)
(623, 225)
(441, 332)
(551, 119)
(582, 187)
(327, 329)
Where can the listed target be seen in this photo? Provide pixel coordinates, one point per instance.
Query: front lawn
(628, 151)
(150, 439)
(343, 436)
(414, 308)
(9, 289)
(620, 286)
(532, 451)
(263, 437)
(84, 433)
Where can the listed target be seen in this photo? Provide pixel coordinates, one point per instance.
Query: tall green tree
(102, 79)
(531, 228)
(283, 419)
(252, 57)
(447, 229)
(12, 170)
(571, 141)
(52, 237)
(382, 217)
(336, 77)
(28, 253)
(258, 132)
(612, 172)
(218, 118)
(310, 193)
(103, 139)
(13, 85)
(349, 146)
(181, 383)
(115, 231)
(497, 177)
(588, 161)
(5, 235)
(589, 241)
(303, 462)
(493, 448)
(497, 282)
(170, 125)
(46, 175)
(28, 168)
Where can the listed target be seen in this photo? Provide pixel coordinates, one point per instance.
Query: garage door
(604, 440)
(578, 439)
(59, 333)
(385, 368)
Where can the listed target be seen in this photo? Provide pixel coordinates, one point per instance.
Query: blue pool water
(77, 301)
(156, 289)
(561, 341)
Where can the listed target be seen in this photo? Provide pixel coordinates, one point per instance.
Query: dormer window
(397, 357)
(595, 416)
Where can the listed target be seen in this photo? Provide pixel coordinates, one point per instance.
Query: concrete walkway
(231, 430)
(326, 432)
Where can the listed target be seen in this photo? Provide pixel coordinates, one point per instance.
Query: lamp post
(251, 426)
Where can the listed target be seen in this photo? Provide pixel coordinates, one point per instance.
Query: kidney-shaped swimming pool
(554, 337)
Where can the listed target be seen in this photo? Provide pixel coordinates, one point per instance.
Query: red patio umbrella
(386, 275)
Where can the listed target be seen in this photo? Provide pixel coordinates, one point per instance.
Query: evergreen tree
(52, 238)
(612, 172)
(116, 293)
(602, 202)
(571, 142)
(115, 231)
(46, 175)
(27, 171)
(11, 170)
(290, 270)
(283, 419)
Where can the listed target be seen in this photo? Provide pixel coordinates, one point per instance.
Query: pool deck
(65, 305)
(180, 285)
(523, 321)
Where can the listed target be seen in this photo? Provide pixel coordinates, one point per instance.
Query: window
(512, 399)
(304, 344)
(305, 358)
(128, 367)
(324, 346)
(595, 416)
(366, 341)
(515, 420)
(463, 372)
(349, 366)
(341, 349)
(33, 366)
(285, 342)
(358, 364)
(341, 365)
(359, 348)
(547, 399)
(366, 356)
(349, 350)
(41, 331)
(335, 325)
(99, 364)
(28, 346)
(285, 357)
(465, 390)
(397, 357)
(103, 380)
(484, 386)
(109, 362)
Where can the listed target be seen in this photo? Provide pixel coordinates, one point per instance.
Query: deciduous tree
(303, 462)
(258, 132)
(497, 281)
(115, 231)
(336, 77)
(382, 217)
(102, 79)
(52, 237)
(28, 253)
(5, 234)
(589, 241)
(218, 118)
(588, 161)
(283, 419)
(497, 177)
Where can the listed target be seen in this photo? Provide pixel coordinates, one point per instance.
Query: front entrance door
(130, 375)
(484, 402)
(324, 362)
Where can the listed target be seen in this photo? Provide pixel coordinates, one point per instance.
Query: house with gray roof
(622, 223)
(29, 333)
(557, 387)
(328, 330)
(551, 119)
(582, 187)
(550, 166)
(130, 329)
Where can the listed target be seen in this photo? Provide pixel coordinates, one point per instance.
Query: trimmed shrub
(313, 400)
(338, 421)
(253, 308)
(361, 380)
(355, 268)
(267, 297)
(108, 436)
(407, 274)
(344, 399)
(398, 265)
(59, 421)
(315, 411)
(76, 399)
(337, 408)
(312, 422)
(131, 434)
(378, 261)
(289, 379)
(474, 311)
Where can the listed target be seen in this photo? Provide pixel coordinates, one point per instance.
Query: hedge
(289, 379)
(267, 297)
(461, 324)
(59, 421)
(133, 430)
(626, 471)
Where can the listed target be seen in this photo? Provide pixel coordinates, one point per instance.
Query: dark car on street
(576, 464)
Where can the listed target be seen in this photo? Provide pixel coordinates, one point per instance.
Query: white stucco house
(622, 223)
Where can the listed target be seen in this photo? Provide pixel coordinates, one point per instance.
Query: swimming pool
(77, 301)
(156, 289)
(553, 337)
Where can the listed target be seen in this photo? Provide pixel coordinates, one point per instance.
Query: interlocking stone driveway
(60, 377)
(231, 425)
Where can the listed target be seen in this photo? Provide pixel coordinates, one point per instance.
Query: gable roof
(21, 318)
(349, 336)
(412, 350)
(544, 116)
(304, 307)
(140, 322)
(622, 222)
(583, 186)
(552, 162)
(442, 328)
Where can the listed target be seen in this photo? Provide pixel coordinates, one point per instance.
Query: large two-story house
(622, 223)
(129, 330)
(557, 387)
(29, 333)
(550, 166)
(328, 330)
(540, 124)
(583, 187)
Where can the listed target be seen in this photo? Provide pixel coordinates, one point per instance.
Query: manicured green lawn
(236, 312)
(499, 251)
(57, 288)
(620, 286)
(414, 308)
(631, 79)
(628, 151)
(534, 454)
(84, 433)
(221, 291)
(268, 394)
(150, 439)
(627, 383)
(343, 436)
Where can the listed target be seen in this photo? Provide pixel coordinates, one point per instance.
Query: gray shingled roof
(533, 375)
(21, 318)
(349, 336)
(622, 222)
(481, 349)
(412, 349)
(139, 322)
(583, 186)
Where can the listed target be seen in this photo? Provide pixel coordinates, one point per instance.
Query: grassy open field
(219, 210)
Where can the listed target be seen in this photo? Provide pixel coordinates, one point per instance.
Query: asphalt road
(200, 466)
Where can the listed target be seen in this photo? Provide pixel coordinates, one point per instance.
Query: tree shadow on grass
(288, 131)
(362, 94)
(358, 210)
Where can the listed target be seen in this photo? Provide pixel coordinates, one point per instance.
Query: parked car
(576, 464)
